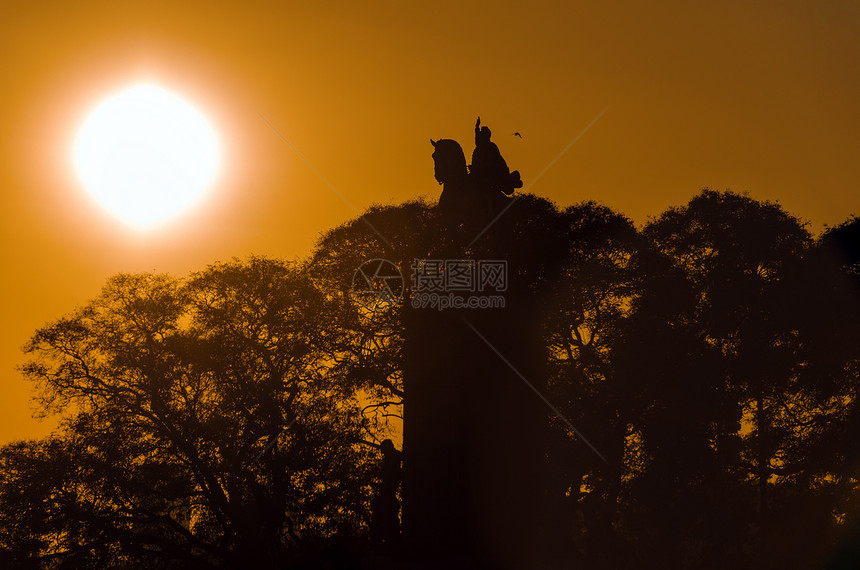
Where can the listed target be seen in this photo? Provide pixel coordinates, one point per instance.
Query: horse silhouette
(458, 191)
(472, 195)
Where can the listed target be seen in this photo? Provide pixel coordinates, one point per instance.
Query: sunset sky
(758, 98)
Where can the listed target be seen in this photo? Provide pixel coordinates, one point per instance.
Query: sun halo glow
(146, 155)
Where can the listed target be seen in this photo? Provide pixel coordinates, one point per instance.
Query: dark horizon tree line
(232, 419)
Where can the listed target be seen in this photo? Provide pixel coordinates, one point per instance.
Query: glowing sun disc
(146, 155)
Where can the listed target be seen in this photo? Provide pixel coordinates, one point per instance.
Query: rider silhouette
(489, 171)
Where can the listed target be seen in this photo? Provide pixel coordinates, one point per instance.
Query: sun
(146, 155)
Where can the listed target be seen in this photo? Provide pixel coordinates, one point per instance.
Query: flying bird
(517, 134)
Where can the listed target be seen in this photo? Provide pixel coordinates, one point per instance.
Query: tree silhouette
(737, 397)
(703, 374)
(202, 424)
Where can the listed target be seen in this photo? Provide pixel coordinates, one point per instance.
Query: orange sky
(761, 99)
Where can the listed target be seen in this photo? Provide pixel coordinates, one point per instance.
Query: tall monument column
(473, 450)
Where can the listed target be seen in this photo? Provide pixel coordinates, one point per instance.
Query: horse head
(449, 160)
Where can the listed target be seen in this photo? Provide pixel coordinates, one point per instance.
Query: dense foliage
(231, 419)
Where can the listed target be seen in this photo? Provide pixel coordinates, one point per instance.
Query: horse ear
(432, 142)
